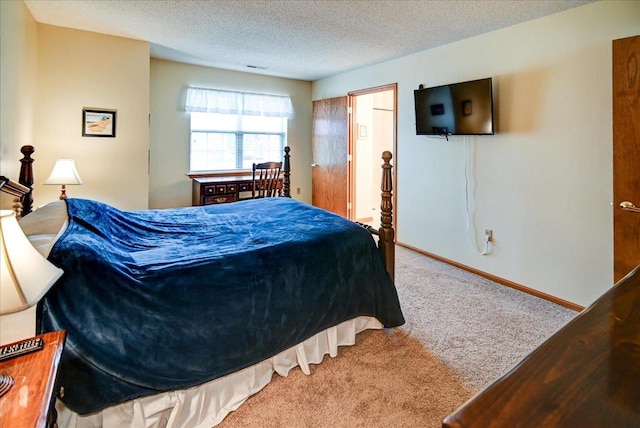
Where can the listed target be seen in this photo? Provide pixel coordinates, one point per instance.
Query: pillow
(44, 226)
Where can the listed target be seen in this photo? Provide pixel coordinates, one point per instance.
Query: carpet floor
(387, 380)
(462, 332)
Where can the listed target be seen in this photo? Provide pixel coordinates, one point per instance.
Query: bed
(175, 317)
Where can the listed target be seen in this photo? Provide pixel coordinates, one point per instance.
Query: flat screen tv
(464, 108)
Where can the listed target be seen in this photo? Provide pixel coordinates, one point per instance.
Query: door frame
(352, 129)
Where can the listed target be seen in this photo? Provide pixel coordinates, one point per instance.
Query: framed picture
(466, 108)
(98, 123)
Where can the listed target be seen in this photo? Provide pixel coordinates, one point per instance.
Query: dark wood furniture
(22, 190)
(30, 402)
(26, 178)
(266, 180)
(222, 189)
(19, 191)
(585, 375)
(13, 188)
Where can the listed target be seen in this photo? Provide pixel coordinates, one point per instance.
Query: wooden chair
(266, 180)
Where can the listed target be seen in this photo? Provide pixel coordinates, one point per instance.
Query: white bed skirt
(208, 404)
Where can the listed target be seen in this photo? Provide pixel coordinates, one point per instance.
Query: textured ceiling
(300, 39)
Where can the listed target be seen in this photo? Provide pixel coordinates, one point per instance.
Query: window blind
(240, 103)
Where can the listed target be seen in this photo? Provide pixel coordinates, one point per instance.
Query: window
(228, 141)
(233, 130)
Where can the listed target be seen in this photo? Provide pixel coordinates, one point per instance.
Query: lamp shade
(64, 172)
(25, 275)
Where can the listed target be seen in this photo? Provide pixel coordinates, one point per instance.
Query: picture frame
(466, 108)
(98, 122)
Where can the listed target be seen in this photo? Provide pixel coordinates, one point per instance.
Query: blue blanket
(158, 300)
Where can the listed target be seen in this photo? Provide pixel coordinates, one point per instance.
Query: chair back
(266, 180)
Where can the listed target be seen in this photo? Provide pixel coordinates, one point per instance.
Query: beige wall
(79, 69)
(48, 75)
(170, 134)
(543, 183)
(18, 83)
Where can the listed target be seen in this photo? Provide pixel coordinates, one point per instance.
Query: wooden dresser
(30, 401)
(585, 375)
(221, 189)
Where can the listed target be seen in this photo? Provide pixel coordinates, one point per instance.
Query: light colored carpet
(462, 332)
(478, 328)
(386, 380)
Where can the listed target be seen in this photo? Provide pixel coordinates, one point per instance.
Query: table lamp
(64, 173)
(25, 277)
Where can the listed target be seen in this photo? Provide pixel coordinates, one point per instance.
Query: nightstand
(30, 402)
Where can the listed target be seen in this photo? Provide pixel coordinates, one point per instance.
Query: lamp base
(18, 326)
(6, 382)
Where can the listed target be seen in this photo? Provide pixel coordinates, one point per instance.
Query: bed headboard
(26, 178)
(12, 187)
(23, 188)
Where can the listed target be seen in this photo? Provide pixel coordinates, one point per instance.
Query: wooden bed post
(25, 203)
(386, 243)
(286, 181)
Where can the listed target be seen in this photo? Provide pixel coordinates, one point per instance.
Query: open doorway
(373, 130)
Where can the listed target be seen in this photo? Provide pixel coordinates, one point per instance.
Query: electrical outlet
(488, 235)
(297, 191)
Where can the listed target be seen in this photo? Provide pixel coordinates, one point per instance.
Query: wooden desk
(30, 402)
(585, 375)
(222, 189)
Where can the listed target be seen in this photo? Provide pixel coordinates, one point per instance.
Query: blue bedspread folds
(158, 300)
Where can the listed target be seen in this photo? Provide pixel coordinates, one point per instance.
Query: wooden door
(626, 154)
(330, 139)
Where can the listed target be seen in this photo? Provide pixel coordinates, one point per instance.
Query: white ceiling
(299, 39)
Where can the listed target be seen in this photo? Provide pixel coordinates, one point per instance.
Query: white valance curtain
(243, 103)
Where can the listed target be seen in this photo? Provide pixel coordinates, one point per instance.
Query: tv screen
(464, 108)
